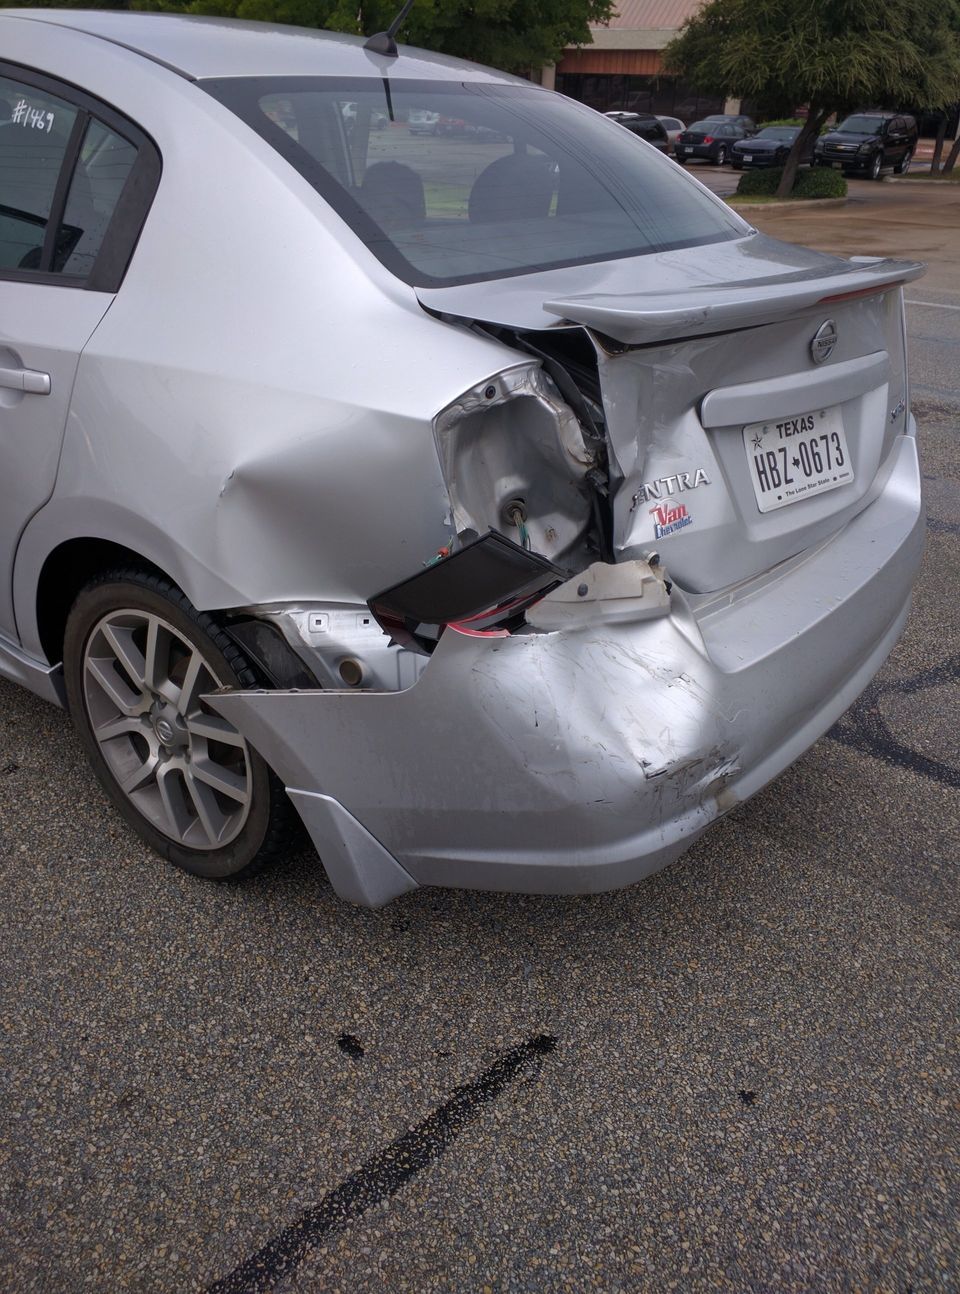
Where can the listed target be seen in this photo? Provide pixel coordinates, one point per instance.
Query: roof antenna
(383, 42)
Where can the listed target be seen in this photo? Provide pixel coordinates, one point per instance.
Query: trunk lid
(695, 346)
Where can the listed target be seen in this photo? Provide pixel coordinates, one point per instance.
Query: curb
(791, 204)
(930, 184)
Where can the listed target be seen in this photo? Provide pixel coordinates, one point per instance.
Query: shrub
(759, 183)
(818, 182)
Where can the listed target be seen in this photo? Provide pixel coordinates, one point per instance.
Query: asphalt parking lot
(739, 1075)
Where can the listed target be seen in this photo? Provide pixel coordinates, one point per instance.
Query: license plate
(837, 166)
(795, 458)
(748, 157)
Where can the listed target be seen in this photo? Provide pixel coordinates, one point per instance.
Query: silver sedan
(494, 500)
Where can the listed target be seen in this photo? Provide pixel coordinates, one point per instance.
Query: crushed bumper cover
(583, 759)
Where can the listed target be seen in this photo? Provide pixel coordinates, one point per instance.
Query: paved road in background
(889, 219)
(911, 221)
(739, 1075)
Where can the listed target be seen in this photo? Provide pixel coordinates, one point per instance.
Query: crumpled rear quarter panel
(582, 760)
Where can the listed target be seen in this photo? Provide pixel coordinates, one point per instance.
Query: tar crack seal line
(383, 1175)
(864, 728)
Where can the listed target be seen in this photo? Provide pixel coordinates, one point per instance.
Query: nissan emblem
(824, 341)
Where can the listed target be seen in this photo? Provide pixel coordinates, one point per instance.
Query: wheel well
(74, 564)
(65, 572)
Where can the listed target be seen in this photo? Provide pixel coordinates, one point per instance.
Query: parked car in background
(377, 120)
(673, 127)
(711, 140)
(866, 143)
(769, 147)
(509, 512)
(644, 124)
(445, 125)
(421, 122)
(748, 125)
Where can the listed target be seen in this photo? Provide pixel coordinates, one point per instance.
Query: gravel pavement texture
(741, 1074)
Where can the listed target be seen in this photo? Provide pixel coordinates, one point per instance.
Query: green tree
(831, 55)
(515, 35)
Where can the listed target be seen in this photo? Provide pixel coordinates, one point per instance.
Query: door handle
(25, 379)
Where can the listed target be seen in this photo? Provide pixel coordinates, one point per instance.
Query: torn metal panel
(710, 341)
(542, 750)
(515, 459)
(575, 760)
(680, 478)
(341, 643)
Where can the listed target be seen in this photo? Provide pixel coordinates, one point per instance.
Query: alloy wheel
(184, 769)
(875, 166)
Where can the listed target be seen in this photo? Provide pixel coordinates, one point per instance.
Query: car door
(897, 140)
(888, 143)
(652, 131)
(63, 234)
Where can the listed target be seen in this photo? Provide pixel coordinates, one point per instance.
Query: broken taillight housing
(486, 584)
(515, 460)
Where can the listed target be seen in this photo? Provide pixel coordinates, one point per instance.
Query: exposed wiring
(517, 517)
(440, 555)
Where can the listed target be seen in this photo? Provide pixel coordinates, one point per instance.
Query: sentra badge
(667, 486)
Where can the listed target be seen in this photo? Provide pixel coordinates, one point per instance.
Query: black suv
(644, 124)
(869, 141)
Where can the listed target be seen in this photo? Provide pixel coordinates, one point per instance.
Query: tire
(737, 166)
(680, 161)
(721, 156)
(137, 657)
(903, 166)
(876, 165)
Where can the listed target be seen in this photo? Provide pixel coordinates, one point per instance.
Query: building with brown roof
(622, 69)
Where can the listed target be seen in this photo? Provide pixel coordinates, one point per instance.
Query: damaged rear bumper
(584, 759)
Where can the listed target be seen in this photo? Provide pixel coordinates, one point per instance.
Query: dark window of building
(664, 95)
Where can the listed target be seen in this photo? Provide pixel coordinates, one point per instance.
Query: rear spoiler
(644, 318)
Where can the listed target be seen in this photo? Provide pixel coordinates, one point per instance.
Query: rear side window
(452, 183)
(105, 162)
(35, 131)
(76, 181)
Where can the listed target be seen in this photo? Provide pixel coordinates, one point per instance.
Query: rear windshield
(453, 183)
(861, 125)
